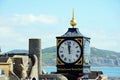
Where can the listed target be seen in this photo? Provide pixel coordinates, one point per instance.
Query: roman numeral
(76, 46)
(78, 51)
(65, 59)
(62, 55)
(77, 55)
(69, 60)
(62, 47)
(61, 51)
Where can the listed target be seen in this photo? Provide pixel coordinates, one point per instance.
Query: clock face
(69, 51)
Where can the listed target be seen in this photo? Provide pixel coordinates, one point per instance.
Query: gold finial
(73, 22)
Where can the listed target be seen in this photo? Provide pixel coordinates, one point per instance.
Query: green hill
(99, 57)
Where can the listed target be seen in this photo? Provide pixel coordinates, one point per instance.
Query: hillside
(99, 57)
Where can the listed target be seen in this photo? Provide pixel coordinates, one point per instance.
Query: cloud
(10, 39)
(6, 32)
(26, 19)
(105, 40)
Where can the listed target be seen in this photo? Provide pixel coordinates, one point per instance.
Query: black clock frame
(69, 67)
(80, 49)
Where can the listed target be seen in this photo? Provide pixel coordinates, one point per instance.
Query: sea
(109, 71)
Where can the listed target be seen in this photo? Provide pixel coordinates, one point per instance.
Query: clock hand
(69, 49)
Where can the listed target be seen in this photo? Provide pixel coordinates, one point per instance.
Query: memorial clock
(73, 51)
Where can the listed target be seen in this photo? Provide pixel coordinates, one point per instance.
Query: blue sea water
(109, 71)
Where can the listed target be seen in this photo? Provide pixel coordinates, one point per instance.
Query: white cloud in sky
(99, 38)
(8, 34)
(25, 19)
(12, 37)
(105, 40)
(9, 38)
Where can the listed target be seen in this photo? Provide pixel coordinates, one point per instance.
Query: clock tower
(73, 51)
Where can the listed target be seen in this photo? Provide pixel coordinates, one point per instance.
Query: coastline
(113, 78)
(104, 67)
(48, 66)
(91, 67)
(111, 72)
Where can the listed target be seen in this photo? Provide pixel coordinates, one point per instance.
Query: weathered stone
(52, 77)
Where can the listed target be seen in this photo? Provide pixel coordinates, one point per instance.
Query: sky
(21, 20)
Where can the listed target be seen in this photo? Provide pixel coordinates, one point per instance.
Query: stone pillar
(35, 49)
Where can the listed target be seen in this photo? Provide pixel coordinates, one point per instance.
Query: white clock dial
(69, 51)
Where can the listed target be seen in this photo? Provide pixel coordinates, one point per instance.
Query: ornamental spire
(73, 22)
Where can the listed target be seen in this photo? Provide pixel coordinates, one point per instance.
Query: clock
(73, 53)
(69, 51)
